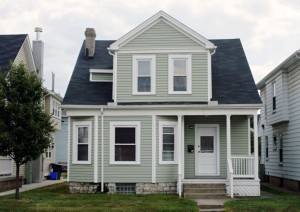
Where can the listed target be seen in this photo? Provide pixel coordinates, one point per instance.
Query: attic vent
(90, 36)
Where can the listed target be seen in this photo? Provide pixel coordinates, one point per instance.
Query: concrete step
(210, 206)
(204, 185)
(205, 195)
(204, 190)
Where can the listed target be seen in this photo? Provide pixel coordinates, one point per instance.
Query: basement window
(125, 188)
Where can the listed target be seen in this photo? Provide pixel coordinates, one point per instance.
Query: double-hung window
(124, 142)
(55, 108)
(274, 95)
(167, 142)
(180, 74)
(82, 135)
(143, 74)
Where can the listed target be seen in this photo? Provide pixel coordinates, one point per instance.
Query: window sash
(82, 135)
(167, 143)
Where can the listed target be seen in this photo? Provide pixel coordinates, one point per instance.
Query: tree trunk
(17, 182)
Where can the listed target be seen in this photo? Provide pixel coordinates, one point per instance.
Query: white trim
(228, 140)
(136, 111)
(92, 80)
(102, 151)
(163, 50)
(179, 153)
(217, 148)
(101, 71)
(137, 126)
(182, 147)
(188, 59)
(209, 77)
(249, 136)
(77, 124)
(160, 131)
(152, 60)
(255, 147)
(96, 149)
(153, 149)
(115, 74)
(149, 22)
(69, 144)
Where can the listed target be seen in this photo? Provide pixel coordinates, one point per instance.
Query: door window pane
(207, 144)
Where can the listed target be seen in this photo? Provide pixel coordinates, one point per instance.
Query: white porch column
(255, 147)
(228, 139)
(179, 152)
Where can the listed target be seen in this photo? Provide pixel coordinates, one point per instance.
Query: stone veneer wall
(141, 188)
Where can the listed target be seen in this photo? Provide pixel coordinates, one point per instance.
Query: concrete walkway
(31, 186)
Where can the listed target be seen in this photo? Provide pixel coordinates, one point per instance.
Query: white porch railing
(240, 167)
(6, 165)
(243, 166)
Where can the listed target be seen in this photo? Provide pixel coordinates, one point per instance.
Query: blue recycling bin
(53, 175)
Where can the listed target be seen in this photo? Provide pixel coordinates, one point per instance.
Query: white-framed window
(275, 142)
(125, 142)
(143, 74)
(55, 108)
(180, 74)
(48, 153)
(167, 142)
(274, 95)
(82, 142)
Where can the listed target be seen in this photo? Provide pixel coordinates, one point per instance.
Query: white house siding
(290, 168)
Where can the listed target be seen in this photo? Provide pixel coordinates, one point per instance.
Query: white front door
(206, 150)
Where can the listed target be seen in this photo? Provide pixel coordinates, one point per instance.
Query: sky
(269, 29)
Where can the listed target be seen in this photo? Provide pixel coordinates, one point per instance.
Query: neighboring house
(279, 125)
(61, 142)
(17, 49)
(160, 110)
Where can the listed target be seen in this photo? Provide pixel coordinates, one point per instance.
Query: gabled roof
(149, 22)
(284, 65)
(10, 46)
(232, 80)
(80, 90)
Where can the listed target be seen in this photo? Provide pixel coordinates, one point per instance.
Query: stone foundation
(141, 188)
(82, 187)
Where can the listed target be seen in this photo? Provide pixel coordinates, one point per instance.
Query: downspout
(114, 93)
(102, 150)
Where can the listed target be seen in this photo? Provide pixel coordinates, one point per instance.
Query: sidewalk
(27, 187)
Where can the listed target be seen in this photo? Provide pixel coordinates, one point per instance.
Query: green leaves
(25, 128)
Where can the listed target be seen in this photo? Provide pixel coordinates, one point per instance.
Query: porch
(218, 151)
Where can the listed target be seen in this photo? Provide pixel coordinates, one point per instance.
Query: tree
(25, 128)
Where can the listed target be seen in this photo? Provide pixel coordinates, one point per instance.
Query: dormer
(162, 60)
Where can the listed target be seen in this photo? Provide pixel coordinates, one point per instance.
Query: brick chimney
(90, 36)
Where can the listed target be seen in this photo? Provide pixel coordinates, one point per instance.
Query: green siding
(81, 172)
(199, 80)
(102, 76)
(164, 172)
(239, 137)
(161, 35)
(130, 173)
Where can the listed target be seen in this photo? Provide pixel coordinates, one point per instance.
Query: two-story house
(279, 123)
(162, 110)
(17, 49)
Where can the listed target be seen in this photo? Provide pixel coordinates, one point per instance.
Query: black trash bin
(56, 168)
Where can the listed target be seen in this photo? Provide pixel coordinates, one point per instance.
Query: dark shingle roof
(9, 48)
(232, 80)
(231, 76)
(80, 90)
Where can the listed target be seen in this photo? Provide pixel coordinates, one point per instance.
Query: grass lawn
(280, 202)
(58, 198)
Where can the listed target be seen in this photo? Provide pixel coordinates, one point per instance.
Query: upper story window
(143, 74)
(274, 95)
(125, 142)
(55, 108)
(82, 142)
(180, 72)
